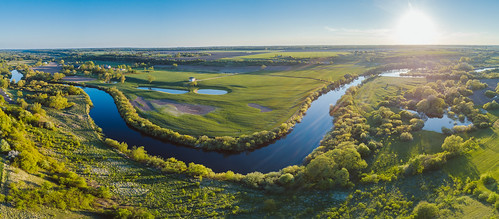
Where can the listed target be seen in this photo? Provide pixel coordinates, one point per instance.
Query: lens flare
(416, 28)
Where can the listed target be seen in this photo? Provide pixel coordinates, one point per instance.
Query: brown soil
(146, 105)
(50, 68)
(260, 107)
(77, 79)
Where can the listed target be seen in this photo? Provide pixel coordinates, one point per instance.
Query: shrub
(425, 210)
(487, 179)
(491, 105)
(490, 94)
(286, 179)
(269, 205)
(4, 146)
(453, 144)
(406, 136)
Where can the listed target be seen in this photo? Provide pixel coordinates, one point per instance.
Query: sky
(39, 24)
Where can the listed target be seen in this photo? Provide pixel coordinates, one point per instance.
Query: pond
(164, 90)
(485, 69)
(16, 76)
(289, 150)
(211, 91)
(436, 124)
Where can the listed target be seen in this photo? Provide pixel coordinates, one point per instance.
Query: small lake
(211, 91)
(164, 90)
(436, 124)
(16, 75)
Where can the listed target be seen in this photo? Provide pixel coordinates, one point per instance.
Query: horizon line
(256, 46)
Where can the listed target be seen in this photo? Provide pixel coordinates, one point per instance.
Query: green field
(232, 115)
(271, 55)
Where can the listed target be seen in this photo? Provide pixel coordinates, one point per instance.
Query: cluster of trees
(52, 95)
(433, 98)
(104, 72)
(65, 188)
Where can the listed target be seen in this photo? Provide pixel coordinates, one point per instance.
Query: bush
(269, 205)
(453, 144)
(491, 105)
(490, 94)
(4, 146)
(425, 210)
(406, 136)
(487, 179)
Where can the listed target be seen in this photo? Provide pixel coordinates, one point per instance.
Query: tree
(58, 76)
(150, 78)
(425, 210)
(406, 136)
(4, 146)
(263, 67)
(453, 144)
(491, 105)
(37, 108)
(122, 79)
(21, 83)
(175, 65)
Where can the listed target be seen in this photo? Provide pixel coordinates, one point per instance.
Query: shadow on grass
(461, 167)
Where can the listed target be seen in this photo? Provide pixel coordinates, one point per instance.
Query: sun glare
(416, 28)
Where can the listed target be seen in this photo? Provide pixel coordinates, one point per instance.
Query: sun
(416, 28)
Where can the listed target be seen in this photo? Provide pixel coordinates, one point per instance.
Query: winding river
(289, 150)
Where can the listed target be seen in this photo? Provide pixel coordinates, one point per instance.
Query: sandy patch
(77, 79)
(260, 107)
(49, 68)
(171, 106)
(142, 104)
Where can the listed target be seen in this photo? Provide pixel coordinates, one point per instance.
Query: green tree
(150, 78)
(406, 136)
(58, 76)
(425, 210)
(4, 146)
(453, 144)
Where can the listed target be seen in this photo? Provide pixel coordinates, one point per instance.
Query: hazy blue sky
(162, 23)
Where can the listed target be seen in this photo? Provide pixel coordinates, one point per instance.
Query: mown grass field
(283, 92)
